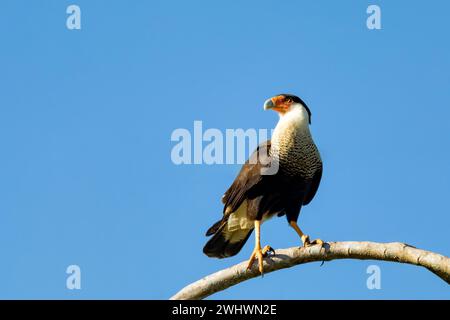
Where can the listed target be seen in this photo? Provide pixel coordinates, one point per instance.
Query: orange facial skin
(282, 104)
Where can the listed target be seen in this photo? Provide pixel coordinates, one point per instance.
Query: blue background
(86, 118)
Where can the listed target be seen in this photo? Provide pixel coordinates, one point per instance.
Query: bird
(281, 176)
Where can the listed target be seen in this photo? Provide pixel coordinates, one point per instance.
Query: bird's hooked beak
(269, 104)
(277, 103)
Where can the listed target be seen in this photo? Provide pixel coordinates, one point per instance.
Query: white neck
(292, 144)
(296, 118)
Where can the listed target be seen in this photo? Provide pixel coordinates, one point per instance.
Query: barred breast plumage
(293, 147)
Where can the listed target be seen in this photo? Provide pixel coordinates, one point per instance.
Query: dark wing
(314, 186)
(249, 182)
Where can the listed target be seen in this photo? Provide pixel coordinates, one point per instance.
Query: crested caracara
(282, 175)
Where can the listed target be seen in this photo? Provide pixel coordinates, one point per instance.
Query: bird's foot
(309, 243)
(259, 254)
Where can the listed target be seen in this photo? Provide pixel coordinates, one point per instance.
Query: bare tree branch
(286, 258)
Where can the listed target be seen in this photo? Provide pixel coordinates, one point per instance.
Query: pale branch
(286, 258)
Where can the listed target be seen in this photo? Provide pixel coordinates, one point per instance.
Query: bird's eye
(289, 100)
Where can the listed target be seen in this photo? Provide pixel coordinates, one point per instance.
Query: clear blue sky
(86, 117)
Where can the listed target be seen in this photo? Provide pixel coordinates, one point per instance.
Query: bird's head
(285, 103)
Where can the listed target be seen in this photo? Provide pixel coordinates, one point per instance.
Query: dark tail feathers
(225, 243)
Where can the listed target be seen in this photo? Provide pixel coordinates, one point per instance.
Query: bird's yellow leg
(304, 237)
(258, 252)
